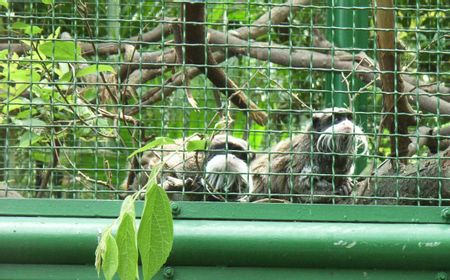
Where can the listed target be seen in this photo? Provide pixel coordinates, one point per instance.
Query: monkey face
(227, 165)
(227, 173)
(337, 132)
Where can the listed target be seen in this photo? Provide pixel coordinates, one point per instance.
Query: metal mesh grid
(85, 84)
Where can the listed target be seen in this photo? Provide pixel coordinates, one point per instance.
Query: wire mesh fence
(249, 101)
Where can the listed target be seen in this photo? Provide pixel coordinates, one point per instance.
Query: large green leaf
(61, 50)
(4, 3)
(106, 255)
(159, 141)
(27, 75)
(29, 138)
(27, 28)
(23, 79)
(93, 69)
(155, 234)
(32, 122)
(14, 105)
(126, 241)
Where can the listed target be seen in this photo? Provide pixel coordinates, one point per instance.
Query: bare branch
(275, 16)
(197, 53)
(436, 139)
(154, 35)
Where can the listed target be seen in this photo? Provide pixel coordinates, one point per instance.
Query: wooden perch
(426, 182)
(197, 53)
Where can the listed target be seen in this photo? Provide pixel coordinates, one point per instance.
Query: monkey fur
(219, 173)
(311, 167)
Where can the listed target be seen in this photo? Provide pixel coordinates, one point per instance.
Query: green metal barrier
(236, 241)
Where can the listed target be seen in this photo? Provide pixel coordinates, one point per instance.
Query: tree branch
(391, 81)
(197, 53)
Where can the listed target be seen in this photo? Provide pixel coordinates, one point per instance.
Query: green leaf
(93, 69)
(90, 94)
(61, 50)
(4, 55)
(110, 257)
(67, 77)
(159, 141)
(25, 76)
(197, 145)
(55, 34)
(42, 156)
(107, 255)
(16, 104)
(24, 79)
(126, 241)
(27, 28)
(32, 122)
(4, 3)
(19, 25)
(155, 234)
(32, 30)
(26, 114)
(47, 2)
(29, 138)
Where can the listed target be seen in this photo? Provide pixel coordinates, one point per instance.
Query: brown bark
(426, 182)
(156, 94)
(437, 139)
(391, 81)
(198, 54)
(154, 35)
(277, 15)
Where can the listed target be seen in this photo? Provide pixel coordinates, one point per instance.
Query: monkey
(4, 192)
(219, 173)
(227, 166)
(304, 167)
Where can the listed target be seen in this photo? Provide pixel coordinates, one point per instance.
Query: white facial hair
(339, 138)
(236, 173)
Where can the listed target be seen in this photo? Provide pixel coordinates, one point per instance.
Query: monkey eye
(339, 118)
(243, 155)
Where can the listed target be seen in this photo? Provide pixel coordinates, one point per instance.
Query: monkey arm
(319, 189)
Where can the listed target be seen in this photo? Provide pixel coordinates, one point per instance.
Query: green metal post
(345, 32)
(348, 23)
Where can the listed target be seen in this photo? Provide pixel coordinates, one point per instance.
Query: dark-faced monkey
(311, 166)
(221, 172)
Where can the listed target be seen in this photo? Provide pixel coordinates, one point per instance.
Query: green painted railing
(236, 241)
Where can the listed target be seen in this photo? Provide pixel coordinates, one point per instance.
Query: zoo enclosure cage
(85, 85)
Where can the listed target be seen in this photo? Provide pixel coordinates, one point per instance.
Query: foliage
(153, 240)
(47, 103)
